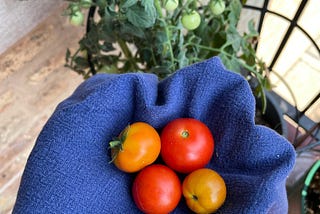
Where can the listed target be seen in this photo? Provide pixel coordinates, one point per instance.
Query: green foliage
(140, 35)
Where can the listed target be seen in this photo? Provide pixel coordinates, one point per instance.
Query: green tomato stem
(115, 144)
(158, 8)
(194, 3)
(185, 134)
(250, 68)
(126, 51)
(180, 10)
(167, 31)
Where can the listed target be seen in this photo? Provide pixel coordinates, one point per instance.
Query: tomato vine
(142, 35)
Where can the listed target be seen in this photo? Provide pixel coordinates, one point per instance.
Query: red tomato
(186, 144)
(156, 189)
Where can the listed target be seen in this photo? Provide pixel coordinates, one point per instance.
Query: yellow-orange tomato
(137, 146)
(204, 190)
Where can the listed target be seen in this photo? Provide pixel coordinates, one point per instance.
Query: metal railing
(311, 128)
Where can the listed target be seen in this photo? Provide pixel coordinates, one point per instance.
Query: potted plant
(162, 36)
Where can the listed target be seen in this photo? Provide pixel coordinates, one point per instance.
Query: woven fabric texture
(68, 169)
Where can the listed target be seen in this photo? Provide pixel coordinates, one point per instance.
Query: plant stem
(158, 8)
(250, 68)
(167, 31)
(126, 51)
(74, 56)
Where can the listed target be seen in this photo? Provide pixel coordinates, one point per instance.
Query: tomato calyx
(194, 197)
(117, 144)
(185, 134)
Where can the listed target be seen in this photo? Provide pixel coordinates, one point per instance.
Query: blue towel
(68, 169)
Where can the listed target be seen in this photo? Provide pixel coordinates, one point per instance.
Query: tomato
(137, 146)
(77, 18)
(86, 3)
(108, 69)
(74, 7)
(204, 190)
(171, 5)
(186, 144)
(156, 189)
(217, 6)
(191, 21)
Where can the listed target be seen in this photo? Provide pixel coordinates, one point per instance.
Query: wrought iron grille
(311, 128)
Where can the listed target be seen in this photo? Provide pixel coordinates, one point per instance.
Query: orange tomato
(204, 190)
(137, 146)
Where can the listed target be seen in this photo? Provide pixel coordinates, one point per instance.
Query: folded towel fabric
(68, 169)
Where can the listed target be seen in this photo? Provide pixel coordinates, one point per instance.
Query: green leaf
(108, 69)
(145, 55)
(128, 3)
(81, 62)
(182, 59)
(161, 38)
(252, 29)
(234, 37)
(162, 71)
(249, 59)
(90, 42)
(106, 31)
(236, 65)
(141, 17)
(108, 59)
(235, 11)
(267, 84)
(106, 47)
(150, 8)
(68, 54)
(231, 64)
(131, 30)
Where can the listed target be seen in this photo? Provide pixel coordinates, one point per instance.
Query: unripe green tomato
(217, 7)
(74, 8)
(191, 21)
(171, 5)
(108, 69)
(84, 53)
(77, 18)
(86, 3)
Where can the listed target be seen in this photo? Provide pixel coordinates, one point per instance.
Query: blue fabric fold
(68, 170)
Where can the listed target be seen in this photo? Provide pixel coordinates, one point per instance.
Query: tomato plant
(204, 190)
(217, 6)
(156, 189)
(171, 5)
(132, 35)
(137, 146)
(186, 144)
(191, 20)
